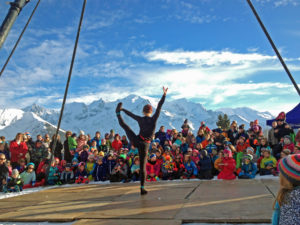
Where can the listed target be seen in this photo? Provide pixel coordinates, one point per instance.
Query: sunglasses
(30, 168)
(2, 158)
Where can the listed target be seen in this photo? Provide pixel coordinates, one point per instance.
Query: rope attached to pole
(66, 89)
(20, 37)
(274, 47)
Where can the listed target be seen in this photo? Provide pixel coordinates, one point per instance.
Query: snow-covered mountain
(100, 115)
(13, 121)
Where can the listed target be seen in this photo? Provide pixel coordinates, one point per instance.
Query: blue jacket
(205, 163)
(81, 174)
(191, 167)
(52, 171)
(199, 139)
(110, 164)
(100, 172)
(98, 142)
(184, 147)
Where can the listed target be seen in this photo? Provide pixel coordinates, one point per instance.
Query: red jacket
(17, 151)
(117, 145)
(153, 168)
(227, 172)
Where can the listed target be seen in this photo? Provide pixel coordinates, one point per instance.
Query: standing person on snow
(147, 127)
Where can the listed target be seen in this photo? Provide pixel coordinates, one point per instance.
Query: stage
(171, 202)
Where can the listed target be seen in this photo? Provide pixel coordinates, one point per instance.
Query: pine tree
(223, 122)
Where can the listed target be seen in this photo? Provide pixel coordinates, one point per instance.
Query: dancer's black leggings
(142, 146)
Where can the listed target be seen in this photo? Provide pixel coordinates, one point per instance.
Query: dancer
(147, 127)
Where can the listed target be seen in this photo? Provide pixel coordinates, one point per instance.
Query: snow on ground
(225, 223)
(33, 190)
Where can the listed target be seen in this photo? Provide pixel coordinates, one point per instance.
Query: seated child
(14, 183)
(135, 169)
(191, 170)
(28, 176)
(178, 167)
(119, 173)
(205, 165)
(54, 176)
(167, 168)
(284, 153)
(100, 170)
(110, 163)
(153, 168)
(267, 164)
(84, 154)
(249, 169)
(21, 165)
(81, 175)
(67, 176)
(218, 162)
(90, 166)
(227, 166)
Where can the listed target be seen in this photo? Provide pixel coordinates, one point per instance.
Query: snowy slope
(100, 115)
(13, 121)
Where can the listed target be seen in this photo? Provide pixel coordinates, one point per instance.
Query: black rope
(20, 37)
(66, 90)
(274, 47)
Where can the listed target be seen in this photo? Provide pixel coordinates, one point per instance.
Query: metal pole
(274, 47)
(19, 39)
(67, 88)
(14, 11)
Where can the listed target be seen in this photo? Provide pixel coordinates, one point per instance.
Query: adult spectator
(18, 149)
(67, 154)
(161, 135)
(3, 171)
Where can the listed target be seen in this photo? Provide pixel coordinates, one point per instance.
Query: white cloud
(209, 58)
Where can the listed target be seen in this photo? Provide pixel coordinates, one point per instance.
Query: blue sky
(209, 51)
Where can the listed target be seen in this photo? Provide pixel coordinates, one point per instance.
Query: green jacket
(268, 161)
(72, 143)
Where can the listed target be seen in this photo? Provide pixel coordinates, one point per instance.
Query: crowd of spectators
(231, 153)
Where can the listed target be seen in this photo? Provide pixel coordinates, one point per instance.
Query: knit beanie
(152, 155)
(248, 156)
(15, 172)
(289, 167)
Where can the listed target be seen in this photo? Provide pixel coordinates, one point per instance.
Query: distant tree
(223, 122)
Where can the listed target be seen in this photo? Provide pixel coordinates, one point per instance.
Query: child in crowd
(72, 144)
(135, 169)
(74, 165)
(62, 165)
(8, 164)
(286, 206)
(119, 173)
(90, 166)
(178, 168)
(54, 176)
(227, 166)
(205, 165)
(100, 170)
(67, 176)
(84, 154)
(288, 143)
(249, 169)
(191, 170)
(104, 147)
(94, 146)
(81, 175)
(14, 183)
(110, 163)
(168, 168)
(29, 176)
(218, 162)
(152, 168)
(195, 156)
(283, 154)
(117, 143)
(267, 164)
(263, 143)
(21, 165)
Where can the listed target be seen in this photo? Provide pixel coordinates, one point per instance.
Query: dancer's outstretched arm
(160, 103)
(133, 116)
